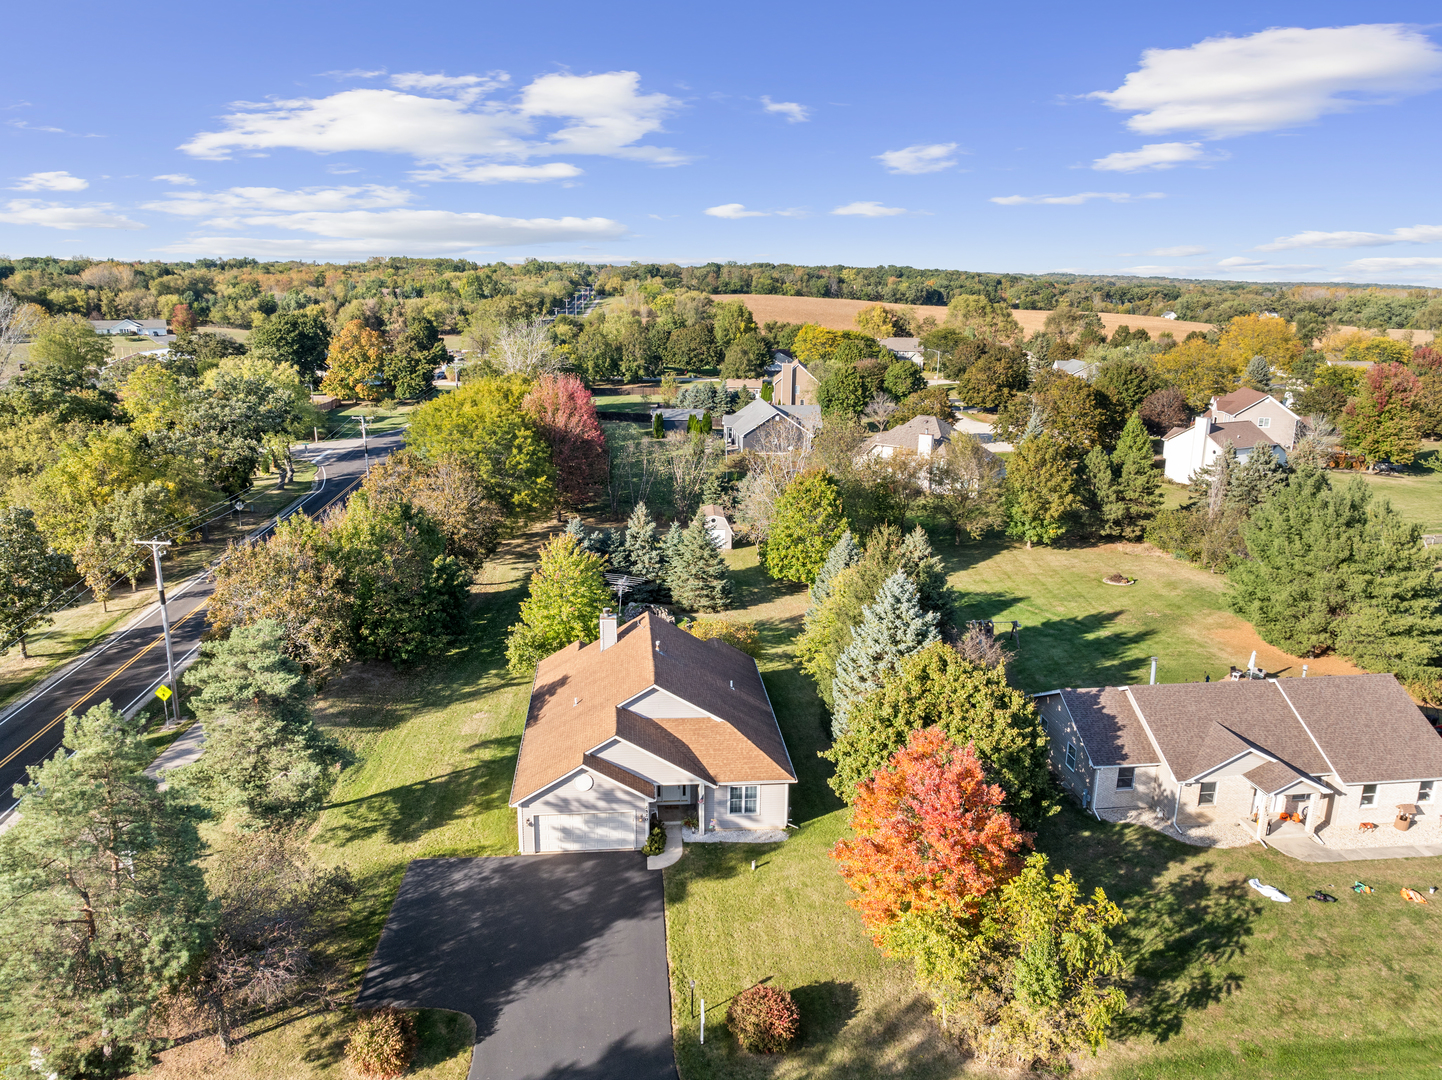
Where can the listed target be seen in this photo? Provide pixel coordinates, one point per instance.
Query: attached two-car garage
(585, 832)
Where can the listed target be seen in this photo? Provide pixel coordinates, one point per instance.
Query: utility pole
(363, 431)
(155, 546)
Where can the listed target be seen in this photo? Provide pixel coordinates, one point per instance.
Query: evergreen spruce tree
(641, 554)
(1211, 484)
(670, 547)
(843, 553)
(920, 563)
(264, 756)
(1103, 507)
(105, 910)
(1259, 374)
(1257, 479)
(696, 574)
(1138, 483)
(893, 625)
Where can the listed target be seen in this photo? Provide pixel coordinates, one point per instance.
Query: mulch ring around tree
(1119, 579)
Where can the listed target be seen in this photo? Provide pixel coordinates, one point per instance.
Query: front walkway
(1302, 848)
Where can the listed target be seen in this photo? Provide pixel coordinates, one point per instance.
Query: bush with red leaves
(764, 1019)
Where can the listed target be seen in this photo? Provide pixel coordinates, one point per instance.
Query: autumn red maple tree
(930, 834)
(562, 408)
(183, 319)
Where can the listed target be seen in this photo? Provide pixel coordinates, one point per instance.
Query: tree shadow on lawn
(1185, 930)
(754, 586)
(1087, 650)
(826, 1008)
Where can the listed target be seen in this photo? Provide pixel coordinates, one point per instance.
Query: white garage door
(587, 832)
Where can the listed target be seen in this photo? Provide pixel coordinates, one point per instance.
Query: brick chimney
(608, 628)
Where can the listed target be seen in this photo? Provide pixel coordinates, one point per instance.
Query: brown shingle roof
(1198, 726)
(1368, 727)
(625, 777)
(1109, 728)
(905, 436)
(745, 744)
(1238, 400)
(1243, 434)
(1273, 776)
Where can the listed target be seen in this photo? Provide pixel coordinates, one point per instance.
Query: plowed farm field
(840, 314)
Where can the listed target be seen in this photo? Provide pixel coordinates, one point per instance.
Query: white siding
(655, 704)
(633, 759)
(772, 803)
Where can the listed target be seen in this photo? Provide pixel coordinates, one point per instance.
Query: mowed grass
(1416, 494)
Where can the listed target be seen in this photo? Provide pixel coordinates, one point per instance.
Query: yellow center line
(96, 688)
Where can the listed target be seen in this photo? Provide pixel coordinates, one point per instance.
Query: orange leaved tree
(930, 835)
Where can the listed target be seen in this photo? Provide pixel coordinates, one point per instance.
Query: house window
(1424, 791)
(1071, 757)
(1369, 794)
(1208, 795)
(1264, 421)
(1126, 779)
(743, 799)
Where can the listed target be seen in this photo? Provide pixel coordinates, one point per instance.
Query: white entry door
(586, 832)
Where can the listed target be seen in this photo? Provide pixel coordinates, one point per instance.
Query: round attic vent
(584, 782)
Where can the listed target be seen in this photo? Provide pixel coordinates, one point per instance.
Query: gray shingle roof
(1109, 728)
(906, 435)
(1368, 727)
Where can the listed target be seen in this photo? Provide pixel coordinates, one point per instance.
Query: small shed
(721, 530)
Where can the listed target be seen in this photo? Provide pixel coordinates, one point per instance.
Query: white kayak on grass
(1271, 892)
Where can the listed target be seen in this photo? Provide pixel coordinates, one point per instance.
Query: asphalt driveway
(559, 959)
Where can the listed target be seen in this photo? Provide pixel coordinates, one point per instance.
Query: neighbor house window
(1126, 779)
(1208, 795)
(1071, 757)
(1264, 421)
(743, 800)
(1369, 794)
(1424, 791)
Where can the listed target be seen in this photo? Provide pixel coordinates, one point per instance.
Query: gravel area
(734, 836)
(1226, 835)
(1217, 834)
(1384, 835)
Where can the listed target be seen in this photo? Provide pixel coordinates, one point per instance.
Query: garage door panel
(587, 832)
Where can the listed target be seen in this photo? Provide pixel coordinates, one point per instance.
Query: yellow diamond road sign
(162, 692)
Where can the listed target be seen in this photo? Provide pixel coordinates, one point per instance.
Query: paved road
(559, 959)
(128, 667)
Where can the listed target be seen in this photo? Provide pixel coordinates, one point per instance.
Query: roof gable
(1368, 727)
(1109, 729)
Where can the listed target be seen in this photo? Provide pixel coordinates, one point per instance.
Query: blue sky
(1264, 141)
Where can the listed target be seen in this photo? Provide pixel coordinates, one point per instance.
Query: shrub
(740, 635)
(656, 842)
(764, 1019)
(382, 1043)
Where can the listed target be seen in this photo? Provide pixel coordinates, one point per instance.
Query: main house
(647, 720)
(1344, 751)
(1247, 420)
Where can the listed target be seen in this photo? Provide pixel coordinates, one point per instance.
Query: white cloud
(491, 174)
(50, 181)
(733, 210)
(1274, 79)
(924, 158)
(176, 178)
(1312, 238)
(1073, 200)
(240, 200)
(794, 113)
(450, 126)
(360, 233)
(57, 216)
(1180, 251)
(1153, 156)
(868, 209)
(1378, 267)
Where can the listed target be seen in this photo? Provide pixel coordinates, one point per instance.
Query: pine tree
(894, 625)
(1041, 490)
(1259, 374)
(1138, 484)
(658, 425)
(1104, 510)
(696, 574)
(105, 908)
(641, 555)
(843, 553)
(564, 605)
(264, 756)
(920, 563)
(1257, 479)
(671, 546)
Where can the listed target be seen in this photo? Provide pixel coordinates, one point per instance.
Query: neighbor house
(794, 385)
(744, 389)
(1188, 450)
(922, 435)
(718, 526)
(1342, 752)
(647, 721)
(1266, 412)
(769, 427)
(156, 328)
(905, 348)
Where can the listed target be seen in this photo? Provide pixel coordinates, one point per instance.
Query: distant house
(718, 525)
(744, 388)
(905, 348)
(1345, 751)
(769, 427)
(794, 385)
(156, 328)
(1269, 414)
(680, 419)
(1169, 315)
(922, 435)
(1082, 369)
(646, 722)
(1244, 419)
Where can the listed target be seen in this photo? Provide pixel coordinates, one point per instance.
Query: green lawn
(1417, 493)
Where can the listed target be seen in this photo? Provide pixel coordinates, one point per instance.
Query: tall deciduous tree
(448, 491)
(892, 626)
(965, 483)
(697, 576)
(264, 757)
(1041, 490)
(930, 835)
(355, 363)
(31, 574)
(564, 604)
(565, 413)
(731, 322)
(70, 343)
(105, 909)
(806, 522)
(988, 321)
(1379, 421)
(973, 704)
(1248, 336)
(416, 356)
(301, 339)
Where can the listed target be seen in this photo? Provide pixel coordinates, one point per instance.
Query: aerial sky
(1256, 141)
